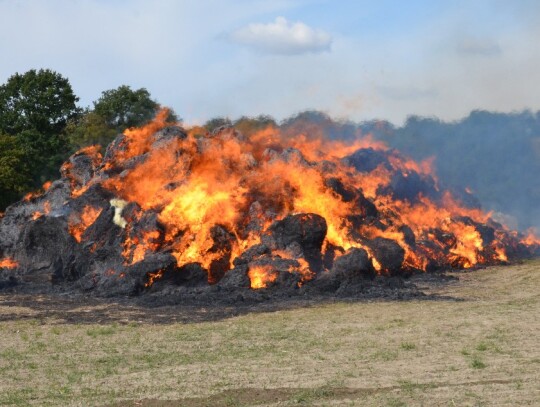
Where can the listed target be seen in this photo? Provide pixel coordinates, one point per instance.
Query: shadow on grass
(295, 396)
(75, 308)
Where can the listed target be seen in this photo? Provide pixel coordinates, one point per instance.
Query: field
(476, 342)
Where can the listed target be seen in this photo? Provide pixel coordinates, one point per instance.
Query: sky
(357, 60)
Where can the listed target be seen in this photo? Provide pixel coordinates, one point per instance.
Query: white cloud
(283, 37)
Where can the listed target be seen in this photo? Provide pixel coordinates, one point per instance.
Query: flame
(531, 239)
(86, 219)
(501, 254)
(216, 194)
(44, 188)
(7, 263)
(67, 169)
(136, 248)
(46, 210)
(261, 276)
(468, 244)
(303, 268)
(152, 277)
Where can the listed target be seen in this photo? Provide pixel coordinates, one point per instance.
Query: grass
(408, 346)
(482, 350)
(476, 363)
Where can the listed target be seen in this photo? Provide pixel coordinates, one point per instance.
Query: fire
(136, 248)
(7, 263)
(261, 276)
(46, 210)
(86, 219)
(152, 277)
(31, 195)
(303, 266)
(531, 239)
(467, 246)
(215, 195)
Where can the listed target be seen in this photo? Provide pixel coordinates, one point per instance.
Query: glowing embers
(31, 195)
(8, 263)
(152, 277)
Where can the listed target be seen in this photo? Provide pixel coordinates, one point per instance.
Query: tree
(36, 100)
(35, 108)
(123, 108)
(249, 125)
(89, 129)
(15, 176)
(217, 122)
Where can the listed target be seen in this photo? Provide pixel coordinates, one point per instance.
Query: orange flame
(261, 276)
(136, 248)
(87, 218)
(243, 183)
(152, 277)
(531, 239)
(7, 263)
(40, 192)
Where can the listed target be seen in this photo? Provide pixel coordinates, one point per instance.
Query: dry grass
(483, 350)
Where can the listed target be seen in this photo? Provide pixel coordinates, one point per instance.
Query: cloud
(476, 46)
(283, 37)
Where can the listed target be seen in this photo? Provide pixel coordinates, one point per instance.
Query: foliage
(90, 129)
(315, 124)
(217, 122)
(34, 110)
(14, 174)
(250, 125)
(36, 100)
(122, 108)
(41, 125)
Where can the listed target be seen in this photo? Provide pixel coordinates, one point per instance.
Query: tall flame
(243, 183)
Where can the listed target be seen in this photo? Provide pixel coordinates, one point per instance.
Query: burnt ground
(210, 304)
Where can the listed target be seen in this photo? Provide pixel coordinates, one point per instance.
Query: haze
(360, 60)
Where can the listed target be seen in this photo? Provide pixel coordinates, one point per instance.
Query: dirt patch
(253, 396)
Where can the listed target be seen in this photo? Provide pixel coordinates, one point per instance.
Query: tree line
(41, 125)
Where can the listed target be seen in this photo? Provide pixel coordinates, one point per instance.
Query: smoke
(495, 155)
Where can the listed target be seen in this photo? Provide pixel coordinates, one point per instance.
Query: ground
(473, 341)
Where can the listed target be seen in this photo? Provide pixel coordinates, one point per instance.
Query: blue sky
(354, 59)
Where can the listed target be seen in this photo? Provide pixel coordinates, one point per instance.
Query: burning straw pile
(166, 207)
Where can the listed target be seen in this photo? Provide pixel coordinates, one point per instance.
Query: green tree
(123, 108)
(89, 129)
(36, 100)
(217, 122)
(15, 176)
(249, 125)
(35, 108)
